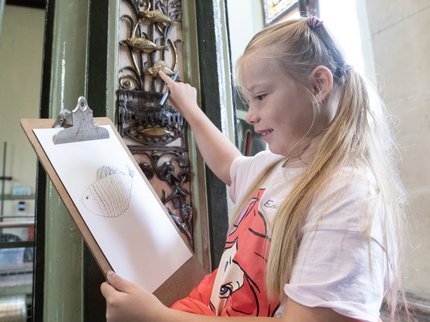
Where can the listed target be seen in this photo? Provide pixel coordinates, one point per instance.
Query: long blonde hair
(359, 135)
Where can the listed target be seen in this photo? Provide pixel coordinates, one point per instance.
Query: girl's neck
(304, 158)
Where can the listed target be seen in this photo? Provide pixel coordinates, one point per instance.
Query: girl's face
(280, 112)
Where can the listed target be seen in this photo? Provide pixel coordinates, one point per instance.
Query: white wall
(21, 43)
(399, 35)
(245, 20)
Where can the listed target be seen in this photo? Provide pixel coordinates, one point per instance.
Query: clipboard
(180, 283)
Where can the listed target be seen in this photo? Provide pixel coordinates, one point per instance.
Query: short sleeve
(234, 169)
(244, 170)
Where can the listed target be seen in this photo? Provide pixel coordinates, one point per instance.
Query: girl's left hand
(126, 301)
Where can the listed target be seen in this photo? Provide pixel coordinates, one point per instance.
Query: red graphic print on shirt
(239, 288)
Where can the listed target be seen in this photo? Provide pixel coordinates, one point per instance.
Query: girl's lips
(264, 133)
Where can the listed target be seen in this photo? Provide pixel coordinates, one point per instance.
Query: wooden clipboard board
(177, 285)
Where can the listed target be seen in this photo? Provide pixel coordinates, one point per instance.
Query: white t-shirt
(333, 268)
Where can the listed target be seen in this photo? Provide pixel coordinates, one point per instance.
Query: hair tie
(314, 22)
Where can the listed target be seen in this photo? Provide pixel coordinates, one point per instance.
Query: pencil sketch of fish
(109, 195)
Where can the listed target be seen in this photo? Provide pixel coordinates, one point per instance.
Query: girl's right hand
(217, 150)
(126, 301)
(183, 96)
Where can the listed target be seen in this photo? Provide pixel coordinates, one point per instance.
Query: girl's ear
(322, 82)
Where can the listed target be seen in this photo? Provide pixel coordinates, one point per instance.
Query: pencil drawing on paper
(109, 196)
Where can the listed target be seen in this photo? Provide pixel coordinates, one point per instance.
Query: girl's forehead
(258, 62)
(256, 67)
(258, 71)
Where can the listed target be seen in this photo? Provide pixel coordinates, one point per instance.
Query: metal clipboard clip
(78, 125)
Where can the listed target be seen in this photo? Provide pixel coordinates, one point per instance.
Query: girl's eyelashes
(254, 97)
(259, 97)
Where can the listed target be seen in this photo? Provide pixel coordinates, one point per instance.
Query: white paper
(127, 221)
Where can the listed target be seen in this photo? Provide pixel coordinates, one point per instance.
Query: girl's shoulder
(259, 161)
(245, 169)
(349, 201)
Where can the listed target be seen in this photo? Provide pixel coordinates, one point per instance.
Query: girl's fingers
(118, 282)
(165, 78)
(106, 290)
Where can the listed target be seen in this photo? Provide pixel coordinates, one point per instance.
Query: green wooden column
(63, 280)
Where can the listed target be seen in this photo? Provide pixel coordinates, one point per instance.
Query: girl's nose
(251, 116)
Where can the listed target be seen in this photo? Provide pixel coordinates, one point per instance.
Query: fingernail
(110, 274)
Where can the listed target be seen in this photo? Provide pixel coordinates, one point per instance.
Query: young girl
(316, 235)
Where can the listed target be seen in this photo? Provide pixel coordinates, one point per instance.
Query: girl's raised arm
(217, 151)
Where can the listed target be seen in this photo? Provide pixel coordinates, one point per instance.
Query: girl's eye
(260, 97)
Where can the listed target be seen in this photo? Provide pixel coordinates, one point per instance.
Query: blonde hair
(359, 135)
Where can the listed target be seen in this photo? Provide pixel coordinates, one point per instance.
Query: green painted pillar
(63, 282)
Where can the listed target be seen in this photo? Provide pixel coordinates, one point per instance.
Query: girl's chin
(274, 150)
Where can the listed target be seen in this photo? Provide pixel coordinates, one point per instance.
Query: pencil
(166, 93)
